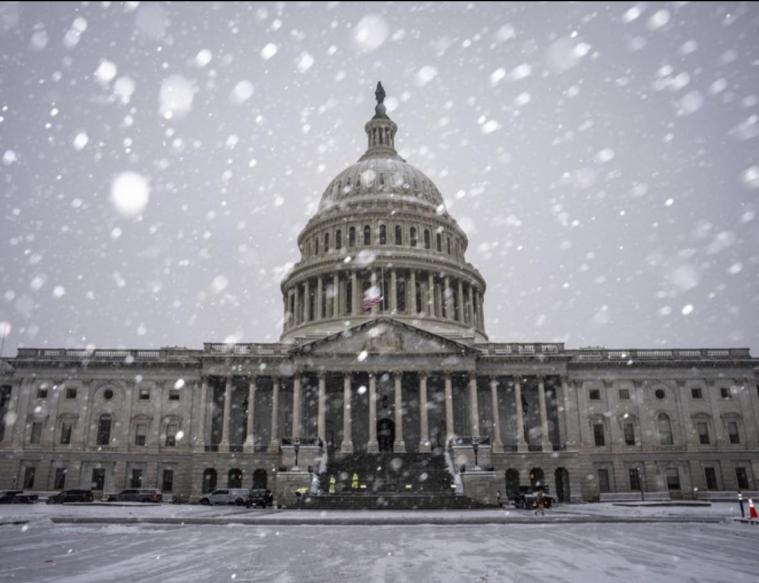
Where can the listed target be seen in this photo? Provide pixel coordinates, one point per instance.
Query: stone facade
(383, 349)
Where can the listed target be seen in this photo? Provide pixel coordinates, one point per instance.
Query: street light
(296, 447)
(476, 448)
(641, 481)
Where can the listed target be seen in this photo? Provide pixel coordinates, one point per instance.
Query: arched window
(367, 235)
(427, 238)
(352, 237)
(537, 477)
(234, 478)
(665, 430)
(338, 239)
(439, 242)
(260, 478)
(382, 234)
(398, 235)
(413, 236)
(209, 480)
(104, 430)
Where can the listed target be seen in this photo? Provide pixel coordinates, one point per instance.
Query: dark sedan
(17, 497)
(71, 496)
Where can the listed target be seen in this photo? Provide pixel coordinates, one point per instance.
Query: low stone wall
(480, 486)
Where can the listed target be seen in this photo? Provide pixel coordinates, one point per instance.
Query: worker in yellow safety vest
(354, 482)
(332, 483)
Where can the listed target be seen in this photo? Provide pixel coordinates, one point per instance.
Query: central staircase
(388, 481)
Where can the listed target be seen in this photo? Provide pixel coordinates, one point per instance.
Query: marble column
(321, 422)
(424, 424)
(336, 298)
(448, 406)
(347, 446)
(393, 292)
(431, 292)
(460, 303)
(307, 316)
(497, 443)
(297, 406)
(474, 409)
(399, 446)
(545, 439)
(226, 416)
(274, 443)
(250, 439)
(448, 299)
(372, 446)
(200, 442)
(521, 443)
(411, 305)
(470, 311)
(375, 307)
(319, 291)
(296, 308)
(356, 301)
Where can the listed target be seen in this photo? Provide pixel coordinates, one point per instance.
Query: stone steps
(389, 501)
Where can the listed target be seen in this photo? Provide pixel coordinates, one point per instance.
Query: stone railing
(127, 355)
(522, 349)
(657, 354)
(258, 349)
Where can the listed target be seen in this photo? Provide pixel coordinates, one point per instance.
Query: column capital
(493, 380)
(322, 375)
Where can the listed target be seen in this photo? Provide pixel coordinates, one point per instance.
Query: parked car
(71, 496)
(260, 497)
(137, 495)
(527, 498)
(17, 497)
(237, 496)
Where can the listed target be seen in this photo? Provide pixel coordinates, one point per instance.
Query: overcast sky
(159, 160)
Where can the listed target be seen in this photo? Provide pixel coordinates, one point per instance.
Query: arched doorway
(209, 480)
(260, 479)
(385, 434)
(537, 477)
(562, 484)
(234, 478)
(512, 483)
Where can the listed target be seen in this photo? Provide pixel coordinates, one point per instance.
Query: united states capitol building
(384, 369)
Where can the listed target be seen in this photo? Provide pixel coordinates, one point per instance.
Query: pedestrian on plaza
(740, 502)
(539, 503)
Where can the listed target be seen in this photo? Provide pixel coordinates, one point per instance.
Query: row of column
(433, 293)
(372, 445)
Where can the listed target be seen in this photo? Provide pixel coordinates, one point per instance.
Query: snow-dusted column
(250, 439)
(372, 446)
(393, 292)
(431, 292)
(226, 416)
(411, 305)
(321, 423)
(545, 439)
(201, 440)
(470, 311)
(424, 425)
(521, 443)
(474, 408)
(297, 406)
(448, 405)
(347, 446)
(319, 290)
(400, 445)
(497, 443)
(356, 301)
(307, 315)
(448, 299)
(274, 443)
(336, 298)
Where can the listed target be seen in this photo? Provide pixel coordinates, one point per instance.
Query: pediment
(385, 336)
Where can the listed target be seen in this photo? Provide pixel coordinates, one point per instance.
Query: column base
(346, 447)
(273, 446)
(372, 447)
(546, 447)
(522, 448)
(248, 446)
(425, 447)
(399, 447)
(223, 448)
(497, 447)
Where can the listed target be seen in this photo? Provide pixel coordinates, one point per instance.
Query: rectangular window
(598, 434)
(66, 433)
(711, 479)
(60, 479)
(629, 434)
(140, 434)
(634, 479)
(696, 394)
(136, 480)
(171, 434)
(724, 393)
(104, 430)
(398, 235)
(624, 394)
(732, 432)
(742, 478)
(28, 478)
(603, 480)
(70, 393)
(703, 432)
(144, 394)
(595, 395)
(42, 392)
(174, 394)
(167, 484)
(98, 478)
(36, 433)
(673, 479)
(439, 242)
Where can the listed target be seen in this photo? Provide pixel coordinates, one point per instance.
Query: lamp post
(476, 448)
(296, 448)
(641, 482)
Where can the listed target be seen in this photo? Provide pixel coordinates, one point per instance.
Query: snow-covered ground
(42, 551)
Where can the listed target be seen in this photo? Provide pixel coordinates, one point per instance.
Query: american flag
(372, 297)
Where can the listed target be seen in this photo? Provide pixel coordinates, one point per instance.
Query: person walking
(539, 503)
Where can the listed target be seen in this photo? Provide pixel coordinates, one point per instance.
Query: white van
(237, 496)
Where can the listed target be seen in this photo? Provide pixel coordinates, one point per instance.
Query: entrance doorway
(385, 434)
(561, 476)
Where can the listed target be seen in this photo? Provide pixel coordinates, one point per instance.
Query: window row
(107, 394)
(170, 435)
(636, 479)
(664, 431)
(726, 394)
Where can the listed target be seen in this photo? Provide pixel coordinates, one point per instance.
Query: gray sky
(603, 158)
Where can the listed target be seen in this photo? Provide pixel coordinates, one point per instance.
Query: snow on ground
(42, 551)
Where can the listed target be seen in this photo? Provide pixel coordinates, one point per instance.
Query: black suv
(71, 496)
(260, 497)
(17, 497)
